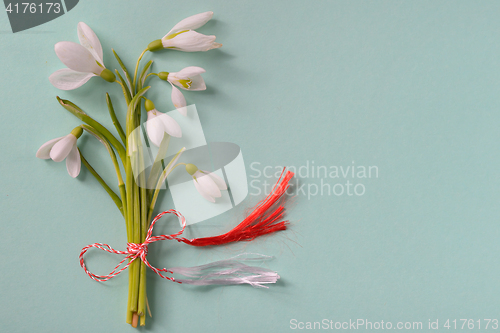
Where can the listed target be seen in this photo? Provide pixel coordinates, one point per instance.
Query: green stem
(124, 69)
(137, 239)
(130, 199)
(142, 79)
(106, 144)
(112, 194)
(133, 198)
(129, 222)
(80, 114)
(123, 194)
(121, 185)
(162, 178)
(141, 307)
(115, 120)
(130, 314)
(136, 198)
(156, 168)
(137, 68)
(126, 90)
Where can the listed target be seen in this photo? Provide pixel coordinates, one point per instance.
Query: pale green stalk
(80, 114)
(111, 152)
(151, 74)
(142, 77)
(125, 71)
(125, 88)
(137, 68)
(156, 168)
(129, 222)
(133, 200)
(162, 178)
(141, 307)
(137, 239)
(112, 194)
(115, 120)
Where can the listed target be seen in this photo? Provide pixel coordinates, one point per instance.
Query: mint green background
(411, 87)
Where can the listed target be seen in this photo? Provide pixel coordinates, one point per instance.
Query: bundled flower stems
(138, 192)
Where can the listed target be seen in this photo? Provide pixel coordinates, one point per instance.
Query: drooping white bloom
(208, 184)
(179, 101)
(189, 41)
(192, 22)
(160, 123)
(83, 60)
(188, 78)
(182, 36)
(62, 148)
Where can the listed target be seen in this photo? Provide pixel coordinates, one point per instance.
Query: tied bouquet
(139, 187)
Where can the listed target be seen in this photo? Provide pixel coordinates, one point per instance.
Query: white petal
(221, 184)
(170, 125)
(73, 162)
(215, 46)
(77, 57)
(197, 83)
(44, 151)
(68, 79)
(62, 148)
(191, 41)
(189, 72)
(89, 40)
(202, 192)
(207, 184)
(155, 129)
(179, 101)
(192, 22)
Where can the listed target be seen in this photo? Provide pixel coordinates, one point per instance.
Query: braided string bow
(135, 251)
(266, 218)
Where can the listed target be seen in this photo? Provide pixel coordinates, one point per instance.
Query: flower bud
(77, 132)
(108, 75)
(149, 105)
(155, 45)
(163, 76)
(191, 168)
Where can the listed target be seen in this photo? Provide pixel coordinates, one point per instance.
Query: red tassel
(264, 219)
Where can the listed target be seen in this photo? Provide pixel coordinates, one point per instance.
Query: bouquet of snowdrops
(138, 191)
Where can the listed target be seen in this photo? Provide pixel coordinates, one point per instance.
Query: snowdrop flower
(160, 123)
(64, 148)
(188, 78)
(84, 60)
(182, 37)
(179, 101)
(207, 183)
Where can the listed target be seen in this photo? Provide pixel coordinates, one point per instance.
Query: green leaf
(80, 114)
(156, 169)
(116, 122)
(168, 169)
(111, 193)
(131, 112)
(142, 77)
(124, 69)
(125, 89)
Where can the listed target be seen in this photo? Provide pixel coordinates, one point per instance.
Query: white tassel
(227, 272)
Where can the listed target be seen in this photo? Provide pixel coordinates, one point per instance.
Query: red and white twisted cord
(135, 251)
(266, 217)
